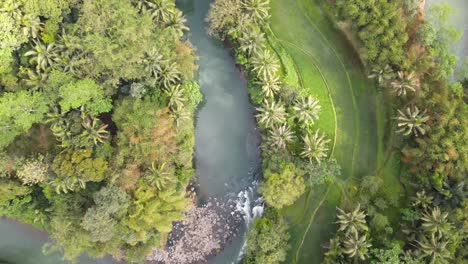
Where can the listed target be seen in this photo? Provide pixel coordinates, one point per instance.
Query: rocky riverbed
(206, 231)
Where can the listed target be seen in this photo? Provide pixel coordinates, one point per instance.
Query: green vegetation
(268, 240)
(97, 103)
(380, 28)
(433, 153)
(410, 62)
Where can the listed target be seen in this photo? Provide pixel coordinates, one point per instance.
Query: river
(227, 156)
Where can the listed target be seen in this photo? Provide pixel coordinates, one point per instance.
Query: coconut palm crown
(352, 222)
(405, 82)
(422, 199)
(435, 248)
(252, 41)
(412, 121)
(168, 74)
(271, 113)
(176, 97)
(382, 75)
(45, 56)
(265, 64)
(307, 110)
(270, 86)
(280, 136)
(257, 9)
(356, 246)
(435, 222)
(315, 147)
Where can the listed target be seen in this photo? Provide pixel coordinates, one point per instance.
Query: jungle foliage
(97, 101)
(431, 118)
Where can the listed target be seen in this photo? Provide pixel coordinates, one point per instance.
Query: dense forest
(97, 102)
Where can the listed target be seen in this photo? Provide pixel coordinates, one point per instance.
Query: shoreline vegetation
(97, 129)
(420, 179)
(294, 148)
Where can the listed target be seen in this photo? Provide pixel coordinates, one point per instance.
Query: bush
(267, 241)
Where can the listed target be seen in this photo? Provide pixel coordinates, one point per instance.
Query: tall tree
(19, 111)
(412, 121)
(257, 9)
(353, 221)
(271, 113)
(307, 110)
(265, 64)
(315, 147)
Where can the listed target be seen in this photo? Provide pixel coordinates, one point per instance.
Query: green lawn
(329, 67)
(308, 81)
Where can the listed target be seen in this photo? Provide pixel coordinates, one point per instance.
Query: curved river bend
(227, 156)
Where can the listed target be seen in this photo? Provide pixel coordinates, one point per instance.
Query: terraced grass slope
(327, 63)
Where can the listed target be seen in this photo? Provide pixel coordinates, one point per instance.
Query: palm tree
(70, 44)
(435, 248)
(252, 41)
(411, 121)
(354, 221)
(315, 147)
(168, 74)
(422, 200)
(280, 136)
(31, 25)
(270, 85)
(55, 117)
(307, 110)
(403, 83)
(152, 62)
(67, 184)
(159, 177)
(176, 97)
(435, 222)
(161, 10)
(334, 248)
(356, 247)
(458, 191)
(271, 113)
(265, 64)
(36, 80)
(44, 55)
(179, 115)
(177, 23)
(93, 131)
(382, 75)
(59, 125)
(257, 9)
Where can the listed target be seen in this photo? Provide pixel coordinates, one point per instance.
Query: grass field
(328, 65)
(311, 84)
